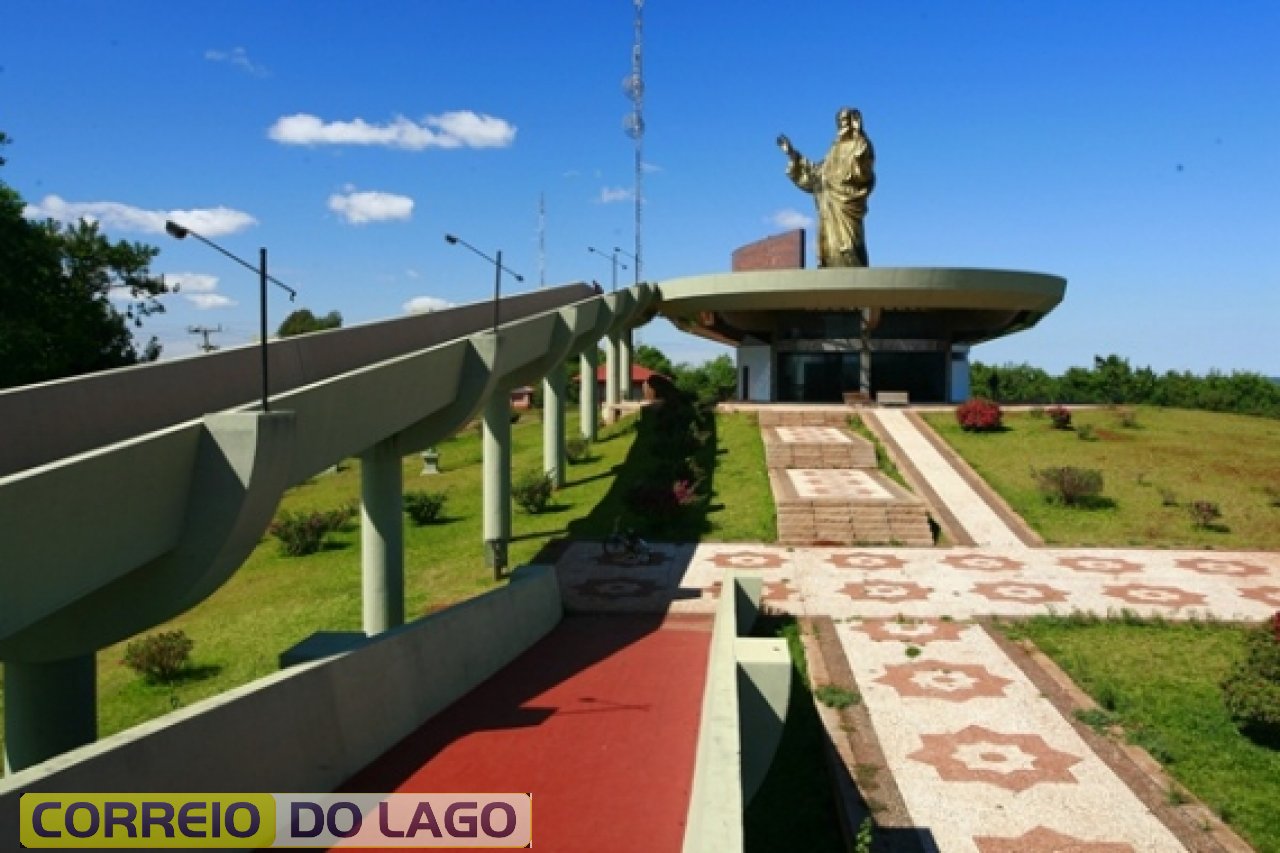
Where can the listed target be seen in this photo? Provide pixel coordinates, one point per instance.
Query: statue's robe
(840, 185)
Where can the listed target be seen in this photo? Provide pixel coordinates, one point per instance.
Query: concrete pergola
(146, 548)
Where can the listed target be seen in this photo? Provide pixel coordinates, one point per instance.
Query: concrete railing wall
(46, 422)
(309, 728)
(744, 709)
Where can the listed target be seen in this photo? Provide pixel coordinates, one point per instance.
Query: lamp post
(181, 232)
(613, 259)
(635, 263)
(497, 272)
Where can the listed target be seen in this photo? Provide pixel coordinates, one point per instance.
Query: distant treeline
(1112, 380)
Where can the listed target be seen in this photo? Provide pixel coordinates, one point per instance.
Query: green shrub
(577, 449)
(302, 533)
(1068, 485)
(159, 657)
(424, 507)
(1252, 691)
(532, 491)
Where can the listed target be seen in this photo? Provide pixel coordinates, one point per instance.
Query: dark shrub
(979, 415)
(532, 491)
(576, 449)
(424, 507)
(159, 657)
(1252, 691)
(1068, 485)
(302, 533)
(1204, 513)
(1059, 416)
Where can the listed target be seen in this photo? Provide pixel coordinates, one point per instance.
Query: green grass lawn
(1171, 455)
(273, 601)
(1160, 682)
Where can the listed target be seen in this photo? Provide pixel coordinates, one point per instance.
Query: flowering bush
(1059, 416)
(979, 415)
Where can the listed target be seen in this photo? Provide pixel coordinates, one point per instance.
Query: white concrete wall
(310, 727)
(758, 359)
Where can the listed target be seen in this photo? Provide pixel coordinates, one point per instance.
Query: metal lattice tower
(633, 126)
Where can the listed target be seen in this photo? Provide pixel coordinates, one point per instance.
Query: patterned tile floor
(982, 759)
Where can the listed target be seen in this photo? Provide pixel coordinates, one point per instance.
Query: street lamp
(497, 273)
(181, 232)
(613, 259)
(635, 263)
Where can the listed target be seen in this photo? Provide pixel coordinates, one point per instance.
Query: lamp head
(449, 238)
(175, 230)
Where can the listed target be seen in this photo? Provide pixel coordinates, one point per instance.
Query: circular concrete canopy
(975, 304)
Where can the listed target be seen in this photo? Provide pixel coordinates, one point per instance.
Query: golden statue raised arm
(840, 185)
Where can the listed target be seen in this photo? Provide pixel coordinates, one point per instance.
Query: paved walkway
(982, 760)
(588, 720)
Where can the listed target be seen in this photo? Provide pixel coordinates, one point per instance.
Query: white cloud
(609, 195)
(192, 282)
(790, 218)
(426, 304)
(649, 168)
(207, 301)
(460, 129)
(360, 208)
(238, 58)
(209, 222)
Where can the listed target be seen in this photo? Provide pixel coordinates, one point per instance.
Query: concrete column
(49, 708)
(382, 537)
(611, 358)
(864, 359)
(553, 424)
(625, 352)
(588, 405)
(496, 479)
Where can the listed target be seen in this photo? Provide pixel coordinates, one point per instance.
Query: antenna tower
(542, 239)
(633, 126)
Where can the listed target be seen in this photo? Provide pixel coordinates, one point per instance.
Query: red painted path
(599, 720)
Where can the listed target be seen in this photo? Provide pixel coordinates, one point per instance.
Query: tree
(69, 297)
(302, 321)
(654, 359)
(713, 380)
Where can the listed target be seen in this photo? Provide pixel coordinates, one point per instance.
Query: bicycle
(626, 546)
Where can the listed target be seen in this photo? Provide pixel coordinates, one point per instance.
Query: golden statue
(840, 185)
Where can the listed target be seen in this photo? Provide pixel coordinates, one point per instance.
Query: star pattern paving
(1015, 762)
(936, 679)
(983, 562)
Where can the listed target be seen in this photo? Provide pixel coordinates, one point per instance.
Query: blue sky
(1132, 148)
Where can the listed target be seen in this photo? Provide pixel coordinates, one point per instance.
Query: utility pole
(205, 331)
